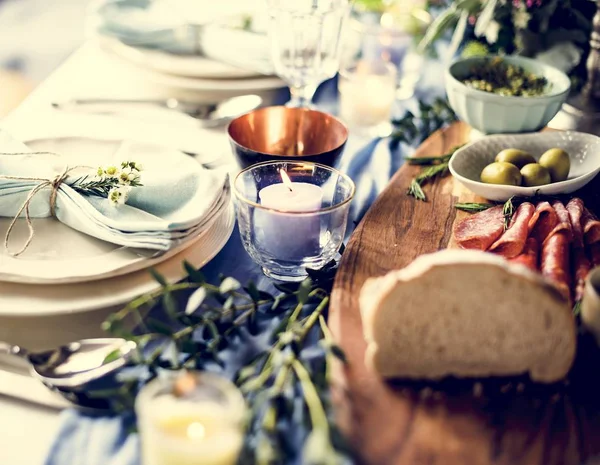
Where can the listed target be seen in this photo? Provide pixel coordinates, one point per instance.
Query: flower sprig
(113, 182)
(276, 347)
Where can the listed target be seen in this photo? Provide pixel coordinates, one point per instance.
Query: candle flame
(196, 431)
(286, 179)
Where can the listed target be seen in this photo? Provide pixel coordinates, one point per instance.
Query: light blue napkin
(178, 199)
(152, 24)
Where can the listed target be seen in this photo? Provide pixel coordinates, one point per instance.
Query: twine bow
(54, 184)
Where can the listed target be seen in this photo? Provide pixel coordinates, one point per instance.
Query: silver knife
(208, 114)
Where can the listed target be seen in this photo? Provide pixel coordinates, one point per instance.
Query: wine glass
(305, 43)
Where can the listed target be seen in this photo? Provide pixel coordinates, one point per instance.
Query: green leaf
(194, 275)
(229, 285)
(252, 291)
(170, 304)
(158, 277)
(304, 290)
(112, 356)
(195, 300)
(337, 352)
(442, 23)
(473, 207)
(159, 327)
(229, 303)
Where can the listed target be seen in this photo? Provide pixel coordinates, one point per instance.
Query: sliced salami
(555, 261)
(512, 242)
(543, 221)
(530, 255)
(575, 210)
(581, 268)
(480, 230)
(564, 221)
(591, 227)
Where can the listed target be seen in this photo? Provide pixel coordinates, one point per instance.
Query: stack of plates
(160, 37)
(64, 270)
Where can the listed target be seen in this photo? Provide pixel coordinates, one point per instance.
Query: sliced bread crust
(466, 314)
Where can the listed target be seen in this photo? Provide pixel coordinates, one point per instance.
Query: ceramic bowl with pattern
(584, 151)
(491, 113)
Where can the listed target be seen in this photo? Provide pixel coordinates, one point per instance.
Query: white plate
(467, 163)
(177, 65)
(248, 86)
(26, 300)
(59, 254)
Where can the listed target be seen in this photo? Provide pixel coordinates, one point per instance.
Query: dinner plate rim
(172, 269)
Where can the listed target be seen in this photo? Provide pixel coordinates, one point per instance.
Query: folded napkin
(238, 40)
(178, 199)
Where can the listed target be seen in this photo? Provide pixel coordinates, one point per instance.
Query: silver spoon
(208, 114)
(70, 367)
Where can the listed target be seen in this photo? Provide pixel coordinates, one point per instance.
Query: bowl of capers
(509, 94)
(547, 163)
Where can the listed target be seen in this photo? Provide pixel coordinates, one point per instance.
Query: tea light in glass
(292, 215)
(190, 418)
(367, 94)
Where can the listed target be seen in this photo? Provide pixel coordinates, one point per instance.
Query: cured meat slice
(529, 256)
(480, 230)
(575, 210)
(581, 268)
(555, 261)
(543, 221)
(564, 221)
(591, 227)
(512, 242)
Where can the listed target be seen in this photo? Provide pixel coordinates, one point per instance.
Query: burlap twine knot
(54, 184)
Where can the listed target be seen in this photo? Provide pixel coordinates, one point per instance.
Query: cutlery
(68, 368)
(208, 114)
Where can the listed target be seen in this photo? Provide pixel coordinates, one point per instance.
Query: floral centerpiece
(554, 31)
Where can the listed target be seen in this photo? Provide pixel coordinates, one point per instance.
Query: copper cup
(281, 133)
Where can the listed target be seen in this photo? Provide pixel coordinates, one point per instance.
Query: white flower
(111, 171)
(521, 18)
(118, 195)
(491, 32)
(137, 166)
(124, 176)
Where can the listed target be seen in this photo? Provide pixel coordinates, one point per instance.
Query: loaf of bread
(466, 314)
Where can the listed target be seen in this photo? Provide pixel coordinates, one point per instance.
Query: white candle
(367, 93)
(202, 425)
(285, 235)
(177, 432)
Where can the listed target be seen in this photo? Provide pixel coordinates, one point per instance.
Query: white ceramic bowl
(497, 114)
(584, 150)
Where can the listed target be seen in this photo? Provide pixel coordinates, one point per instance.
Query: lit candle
(194, 429)
(367, 93)
(284, 233)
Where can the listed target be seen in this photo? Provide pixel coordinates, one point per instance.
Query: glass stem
(302, 96)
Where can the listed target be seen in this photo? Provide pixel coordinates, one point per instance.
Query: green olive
(517, 157)
(557, 161)
(501, 173)
(535, 174)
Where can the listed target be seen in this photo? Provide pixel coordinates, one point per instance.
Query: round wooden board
(455, 422)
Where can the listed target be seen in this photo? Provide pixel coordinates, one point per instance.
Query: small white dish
(584, 150)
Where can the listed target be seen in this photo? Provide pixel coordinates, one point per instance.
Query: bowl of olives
(547, 163)
(501, 95)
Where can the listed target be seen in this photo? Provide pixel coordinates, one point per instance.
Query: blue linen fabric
(87, 440)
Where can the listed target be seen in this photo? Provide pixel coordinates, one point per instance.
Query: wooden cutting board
(455, 422)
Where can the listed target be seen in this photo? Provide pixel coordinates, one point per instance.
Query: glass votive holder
(292, 215)
(190, 418)
(367, 93)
